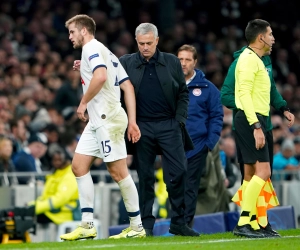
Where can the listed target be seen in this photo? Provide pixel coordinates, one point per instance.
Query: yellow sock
(249, 199)
(244, 186)
(253, 220)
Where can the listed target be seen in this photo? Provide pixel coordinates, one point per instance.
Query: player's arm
(129, 98)
(97, 82)
(133, 131)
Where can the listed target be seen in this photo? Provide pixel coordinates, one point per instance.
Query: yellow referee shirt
(252, 86)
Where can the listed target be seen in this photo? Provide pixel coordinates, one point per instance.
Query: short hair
(83, 21)
(254, 28)
(288, 144)
(191, 48)
(145, 28)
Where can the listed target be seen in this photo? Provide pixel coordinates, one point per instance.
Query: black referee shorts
(245, 139)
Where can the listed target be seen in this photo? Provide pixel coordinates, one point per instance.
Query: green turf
(290, 240)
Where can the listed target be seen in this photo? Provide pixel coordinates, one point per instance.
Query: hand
(259, 138)
(290, 117)
(133, 132)
(80, 112)
(76, 65)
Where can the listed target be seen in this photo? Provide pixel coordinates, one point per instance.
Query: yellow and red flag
(267, 199)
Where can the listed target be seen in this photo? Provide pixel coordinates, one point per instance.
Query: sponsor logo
(197, 92)
(132, 236)
(93, 56)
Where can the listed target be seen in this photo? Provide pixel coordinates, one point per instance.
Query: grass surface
(290, 240)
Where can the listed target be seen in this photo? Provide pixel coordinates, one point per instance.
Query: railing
(283, 175)
(101, 175)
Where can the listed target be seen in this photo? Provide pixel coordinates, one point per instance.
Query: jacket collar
(199, 79)
(158, 57)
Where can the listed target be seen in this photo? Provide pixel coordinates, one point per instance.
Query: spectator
(286, 160)
(6, 164)
(28, 160)
(68, 95)
(59, 201)
(297, 148)
(19, 135)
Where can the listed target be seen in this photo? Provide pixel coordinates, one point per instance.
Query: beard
(79, 43)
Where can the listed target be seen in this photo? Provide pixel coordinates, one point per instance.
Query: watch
(256, 125)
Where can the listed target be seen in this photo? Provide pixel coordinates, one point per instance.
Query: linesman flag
(267, 199)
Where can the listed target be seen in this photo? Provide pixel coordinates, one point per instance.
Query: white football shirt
(106, 103)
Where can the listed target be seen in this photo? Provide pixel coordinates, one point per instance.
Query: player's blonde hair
(83, 21)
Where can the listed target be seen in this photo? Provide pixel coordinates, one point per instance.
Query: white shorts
(106, 142)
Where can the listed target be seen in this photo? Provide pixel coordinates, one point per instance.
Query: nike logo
(106, 155)
(131, 236)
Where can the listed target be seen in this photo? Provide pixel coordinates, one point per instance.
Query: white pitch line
(199, 241)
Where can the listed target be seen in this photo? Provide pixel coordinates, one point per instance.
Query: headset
(265, 42)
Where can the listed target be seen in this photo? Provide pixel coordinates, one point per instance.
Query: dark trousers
(165, 136)
(195, 168)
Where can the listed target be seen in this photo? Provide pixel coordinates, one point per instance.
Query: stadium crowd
(40, 92)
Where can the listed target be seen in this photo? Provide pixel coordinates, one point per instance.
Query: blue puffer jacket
(205, 113)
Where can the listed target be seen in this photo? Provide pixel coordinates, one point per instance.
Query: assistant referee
(252, 97)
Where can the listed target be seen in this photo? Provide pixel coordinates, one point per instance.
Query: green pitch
(290, 240)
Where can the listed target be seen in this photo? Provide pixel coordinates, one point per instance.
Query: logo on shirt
(93, 56)
(197, 92)
(82, 82)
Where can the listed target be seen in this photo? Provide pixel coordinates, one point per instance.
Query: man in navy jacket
(204, 123)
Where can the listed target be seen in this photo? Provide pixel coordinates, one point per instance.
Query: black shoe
(149, 232)
(247, 231)
(269, 232)
(182, 230)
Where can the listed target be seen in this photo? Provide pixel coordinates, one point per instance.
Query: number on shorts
(105, 147)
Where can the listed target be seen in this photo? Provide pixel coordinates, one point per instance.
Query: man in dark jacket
(162, 101)
(204, 123)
